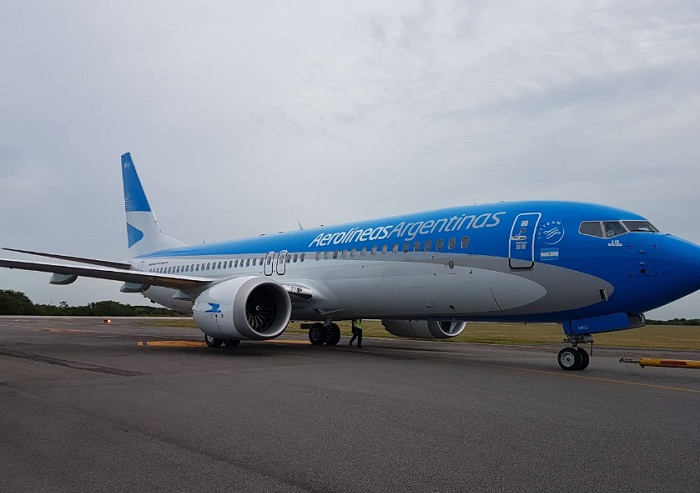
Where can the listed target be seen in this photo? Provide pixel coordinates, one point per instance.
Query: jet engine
(243, 308)
(424, 329)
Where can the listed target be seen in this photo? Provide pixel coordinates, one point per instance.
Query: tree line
(17, 303)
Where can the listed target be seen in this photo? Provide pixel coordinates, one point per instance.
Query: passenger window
(363, 252)
(335, 254)
(344, 253)
(439, 243)
(254, 260)
(395, 248)
(613, 228)
(318, 255)
(295, 258)
(301, 257)
(247, 262)
(428, 245)
(385, 248)
(452, 243)
(416, 246)
(374, 250)
(406, 245)
(325, 255)
(353, 251)
(465, 242)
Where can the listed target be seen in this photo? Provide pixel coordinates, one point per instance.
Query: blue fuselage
(527, 261)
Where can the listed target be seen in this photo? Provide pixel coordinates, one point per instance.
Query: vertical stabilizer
(143, 233)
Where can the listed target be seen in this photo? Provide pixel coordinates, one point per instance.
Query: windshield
(608, 229)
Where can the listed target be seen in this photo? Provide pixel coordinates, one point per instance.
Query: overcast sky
(246, 117)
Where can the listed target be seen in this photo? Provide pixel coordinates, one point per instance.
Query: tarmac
(129, 406)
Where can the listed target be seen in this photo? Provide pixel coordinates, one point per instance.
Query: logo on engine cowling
(215, 308)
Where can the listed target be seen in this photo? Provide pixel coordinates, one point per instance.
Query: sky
(249, 117)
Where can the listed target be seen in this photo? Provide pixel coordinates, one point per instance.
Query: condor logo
(215, 308)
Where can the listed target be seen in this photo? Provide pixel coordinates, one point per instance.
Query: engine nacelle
(243, 308)
(425, 329)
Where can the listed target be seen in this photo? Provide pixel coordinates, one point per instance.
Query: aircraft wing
(134, 276)
(82, 260)
(114, 274)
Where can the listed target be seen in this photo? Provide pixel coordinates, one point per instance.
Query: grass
(651, 336)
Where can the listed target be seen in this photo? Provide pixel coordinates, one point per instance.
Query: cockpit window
(613, 228)
(591, 228)
(608, 229)
(643, 226)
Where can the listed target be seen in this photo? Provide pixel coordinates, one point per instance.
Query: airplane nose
(681, 260)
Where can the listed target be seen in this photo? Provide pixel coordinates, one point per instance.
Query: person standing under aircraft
(356, 331)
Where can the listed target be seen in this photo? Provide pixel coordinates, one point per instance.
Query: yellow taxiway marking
(290, 341)
(203, 344)
(601, 379)
(64, 330)
(171, 343)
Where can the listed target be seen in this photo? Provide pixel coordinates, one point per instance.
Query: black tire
(585, 359)
(232, 342)
(212, 341)
(569, 359)
(333, 335)
(318, 334)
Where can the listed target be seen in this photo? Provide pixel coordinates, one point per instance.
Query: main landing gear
(320, 334)
(574, 358)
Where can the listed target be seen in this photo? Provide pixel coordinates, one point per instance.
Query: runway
(129, 406)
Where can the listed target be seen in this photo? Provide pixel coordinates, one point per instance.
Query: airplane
(590, 267)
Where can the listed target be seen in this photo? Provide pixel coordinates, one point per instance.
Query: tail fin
(143, 233)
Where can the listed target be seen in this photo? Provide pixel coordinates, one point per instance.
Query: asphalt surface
(88, 407)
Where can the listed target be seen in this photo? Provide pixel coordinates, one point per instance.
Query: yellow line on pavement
(203, 344)
(172, 343)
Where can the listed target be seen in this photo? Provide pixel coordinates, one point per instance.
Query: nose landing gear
(574, 358)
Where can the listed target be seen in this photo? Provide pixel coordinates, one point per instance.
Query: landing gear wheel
(570, 359)
(318, 334)
(585, 359)
(232, 342)
(212, 341)
(333, 335)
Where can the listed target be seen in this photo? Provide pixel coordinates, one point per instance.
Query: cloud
(270, 113)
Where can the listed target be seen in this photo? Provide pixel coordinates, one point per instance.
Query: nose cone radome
(681, 264)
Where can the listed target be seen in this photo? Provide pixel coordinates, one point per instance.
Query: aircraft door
(282, 262)
(269, 263)
(521, 247)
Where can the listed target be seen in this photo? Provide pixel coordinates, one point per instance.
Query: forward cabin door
(521, 247)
